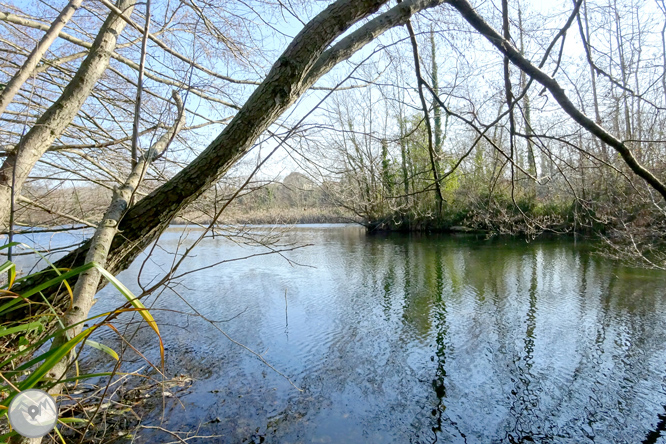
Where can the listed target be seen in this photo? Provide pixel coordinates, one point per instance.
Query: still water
(398, 339)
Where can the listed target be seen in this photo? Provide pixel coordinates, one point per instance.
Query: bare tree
(14, 85)
(22, 158)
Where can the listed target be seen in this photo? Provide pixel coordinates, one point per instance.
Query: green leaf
(34, 361)
(20, 353)
(72, 420)
(62, 440)
(11, 244)
(23, 327)
(108, 350)
(143, 311)
(10, 267)
(44, 355)
(6, 436)
(58, 279)
(12, 305)
(47, 284)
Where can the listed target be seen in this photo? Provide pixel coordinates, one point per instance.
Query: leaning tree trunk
(297, 69)
(86, 286)
(52, 123)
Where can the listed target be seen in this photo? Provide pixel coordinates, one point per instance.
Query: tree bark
(434, 162)
(404, 160)
(139, 88)
(531, 161)
(436, 109)
(54, 121)
(508, 94)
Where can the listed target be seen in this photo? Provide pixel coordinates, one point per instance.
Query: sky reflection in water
(412, 339)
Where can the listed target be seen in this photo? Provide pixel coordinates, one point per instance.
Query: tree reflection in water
(422, 339)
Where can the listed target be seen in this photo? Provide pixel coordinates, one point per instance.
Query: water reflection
(417, 339)
(653, 435)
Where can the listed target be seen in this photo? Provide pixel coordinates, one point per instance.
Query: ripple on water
(399, 339)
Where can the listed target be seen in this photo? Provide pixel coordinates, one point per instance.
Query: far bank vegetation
(296, 199)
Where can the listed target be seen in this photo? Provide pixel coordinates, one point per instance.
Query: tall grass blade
(143, 311)
(9, 267)
(23, 327)
(50, 282)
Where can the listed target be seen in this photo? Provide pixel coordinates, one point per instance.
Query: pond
(405, 338)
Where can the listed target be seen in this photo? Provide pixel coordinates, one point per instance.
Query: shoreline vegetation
(297, 199)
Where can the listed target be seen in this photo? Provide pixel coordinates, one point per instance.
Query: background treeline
(296, 199)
